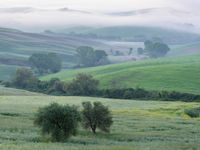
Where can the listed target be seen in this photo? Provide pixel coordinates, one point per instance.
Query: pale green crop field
(16, 92)
(138, 125)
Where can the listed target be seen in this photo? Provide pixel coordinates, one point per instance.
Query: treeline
(86, 85)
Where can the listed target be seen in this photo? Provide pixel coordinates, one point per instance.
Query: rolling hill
(20, 45)
(185, 49)
(16, 46)
(179, 74)
(134, 33)
(16, 92)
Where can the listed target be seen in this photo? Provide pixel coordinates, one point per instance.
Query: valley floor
(138, 125)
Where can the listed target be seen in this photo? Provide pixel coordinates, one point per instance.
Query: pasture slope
(138, 125)
(178, 73)
(16, 92)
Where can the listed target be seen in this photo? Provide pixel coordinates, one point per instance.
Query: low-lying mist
(37, 20)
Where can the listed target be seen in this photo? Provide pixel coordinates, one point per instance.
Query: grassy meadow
(138, 125)
(180, 74)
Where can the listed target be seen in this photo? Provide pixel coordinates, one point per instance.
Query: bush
(59, 121)
(82, 85)
(96, 116)
(24, 78)
(6, 83)
(193, 112)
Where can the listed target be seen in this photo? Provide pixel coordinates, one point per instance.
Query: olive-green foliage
(45, 63)
(157, 49)
(85, 56)
(140, 51)
(96, 116)
(83, 84)
(88, 57)
(193, 112)
(24, 78)
(138, 125)
(130, 51)
(59, 121)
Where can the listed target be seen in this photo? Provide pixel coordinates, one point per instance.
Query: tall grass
(138, 125)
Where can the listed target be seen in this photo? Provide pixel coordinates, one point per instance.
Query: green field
(16, 92)
(138, 125)
(179, 74)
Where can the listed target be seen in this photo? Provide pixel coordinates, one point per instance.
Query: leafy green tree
(155, 50)
(55, 62)
(85, 56)
(140, 51)
(99, 56)
(24, 78)
(59, 121)
(88, 57)
(45, 63)
(118, 53)
(148, 44)
(130, 51)
(96, 116)
(83, 84)
(55, 86)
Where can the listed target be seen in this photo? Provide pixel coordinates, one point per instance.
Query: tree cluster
(155, 50)
(86, 85)
(45, 63)
(88, 57)
(62, 121)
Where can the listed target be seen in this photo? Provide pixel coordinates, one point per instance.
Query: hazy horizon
(39, 15)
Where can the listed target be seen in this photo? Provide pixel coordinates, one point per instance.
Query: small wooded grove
(86, 85)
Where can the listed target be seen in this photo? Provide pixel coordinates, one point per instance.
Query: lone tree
(96, 116)
(59, 121)
(140, 51)
(130, 51)
(100, 57)
(45, 63)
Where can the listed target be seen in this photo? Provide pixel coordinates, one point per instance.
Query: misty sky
(103, 5)
(171, 13)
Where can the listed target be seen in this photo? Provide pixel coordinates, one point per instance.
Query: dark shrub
(82, 85)
(6, 83)
(24, 78)
(193, 112)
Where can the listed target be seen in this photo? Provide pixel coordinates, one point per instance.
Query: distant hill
(22, 44)
(134, 33)
(185, 49)
(16, 46)
(179, 74)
